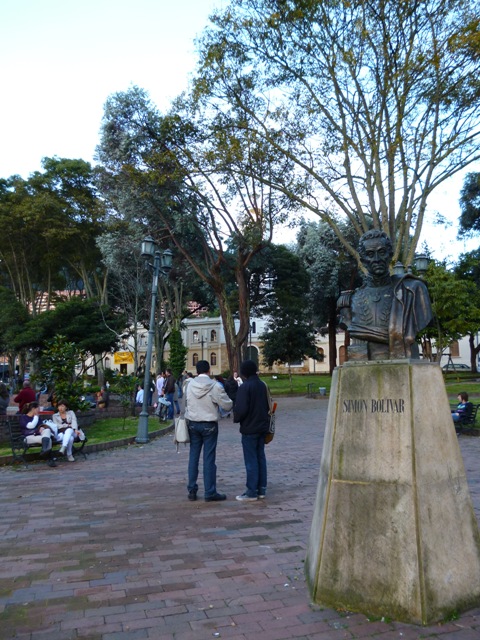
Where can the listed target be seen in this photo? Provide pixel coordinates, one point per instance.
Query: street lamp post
(162, 263)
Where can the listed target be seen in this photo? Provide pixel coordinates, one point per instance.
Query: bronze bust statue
(384, 315)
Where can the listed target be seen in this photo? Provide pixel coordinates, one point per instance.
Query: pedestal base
(393, 533)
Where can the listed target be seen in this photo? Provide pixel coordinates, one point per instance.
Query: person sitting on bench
(67, 428)
(464, 408)
(34, 431)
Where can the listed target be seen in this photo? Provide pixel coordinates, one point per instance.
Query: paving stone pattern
(111, 548)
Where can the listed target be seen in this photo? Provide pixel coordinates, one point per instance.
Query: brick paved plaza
(111, 548)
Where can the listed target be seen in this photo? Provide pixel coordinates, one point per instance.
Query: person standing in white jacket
(203, 396)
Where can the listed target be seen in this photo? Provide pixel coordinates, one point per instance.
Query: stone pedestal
(393, 533)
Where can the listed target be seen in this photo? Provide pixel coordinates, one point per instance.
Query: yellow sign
(123, 357)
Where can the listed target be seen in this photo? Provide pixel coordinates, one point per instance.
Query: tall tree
(376, 103)
(193, 180)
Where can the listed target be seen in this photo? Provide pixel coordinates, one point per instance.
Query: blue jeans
(169, 397)
(203, 434)
(255, 463)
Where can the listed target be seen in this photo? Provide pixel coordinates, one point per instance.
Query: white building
(205, 340)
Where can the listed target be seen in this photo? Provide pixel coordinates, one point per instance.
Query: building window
(195, 359)
(213, 335)
(213, 359)
(455, 349)
(195, 336)
(296, 363)
(253, 327)
(321, 354)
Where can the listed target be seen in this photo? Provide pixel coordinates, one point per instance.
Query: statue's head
(376, 251)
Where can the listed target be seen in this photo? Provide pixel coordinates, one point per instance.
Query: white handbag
(181, 432)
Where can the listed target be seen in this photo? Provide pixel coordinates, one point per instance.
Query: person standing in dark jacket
(251, 410)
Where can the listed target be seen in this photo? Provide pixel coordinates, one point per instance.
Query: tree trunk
(474, 350)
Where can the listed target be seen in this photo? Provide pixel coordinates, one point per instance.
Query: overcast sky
(61, 59)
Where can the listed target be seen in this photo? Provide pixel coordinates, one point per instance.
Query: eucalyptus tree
(375, 102)
(193, 178)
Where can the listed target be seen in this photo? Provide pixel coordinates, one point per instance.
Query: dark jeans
(255, 464)
(203, 434)
(169, 397)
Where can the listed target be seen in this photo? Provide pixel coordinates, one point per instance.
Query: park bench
(20, 448)
(467, 422)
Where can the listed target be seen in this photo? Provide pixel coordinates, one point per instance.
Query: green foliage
(470, 205)
(53, 218)
(13, 317)
(468, 267)
(57, 365)
(125, 386)
(178, 353)
(93, 328)
(278, 281)
(456, 310)
(288, 339)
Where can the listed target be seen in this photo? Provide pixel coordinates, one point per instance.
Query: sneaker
(192, 495)
(245, 498)
(261, 496)
(62, 449)
(70, 458)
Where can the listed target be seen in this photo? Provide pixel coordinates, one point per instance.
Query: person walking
(252, 407)
(203, 396)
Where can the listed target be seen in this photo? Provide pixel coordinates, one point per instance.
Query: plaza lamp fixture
(162, 265)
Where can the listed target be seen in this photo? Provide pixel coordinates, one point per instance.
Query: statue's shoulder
(410, 282)
(345, 298)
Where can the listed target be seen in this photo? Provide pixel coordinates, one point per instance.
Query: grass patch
(110, 429)
(280, 384)
(454, 387)
(115, 429)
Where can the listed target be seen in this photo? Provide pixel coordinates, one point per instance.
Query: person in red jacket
(26, 395)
